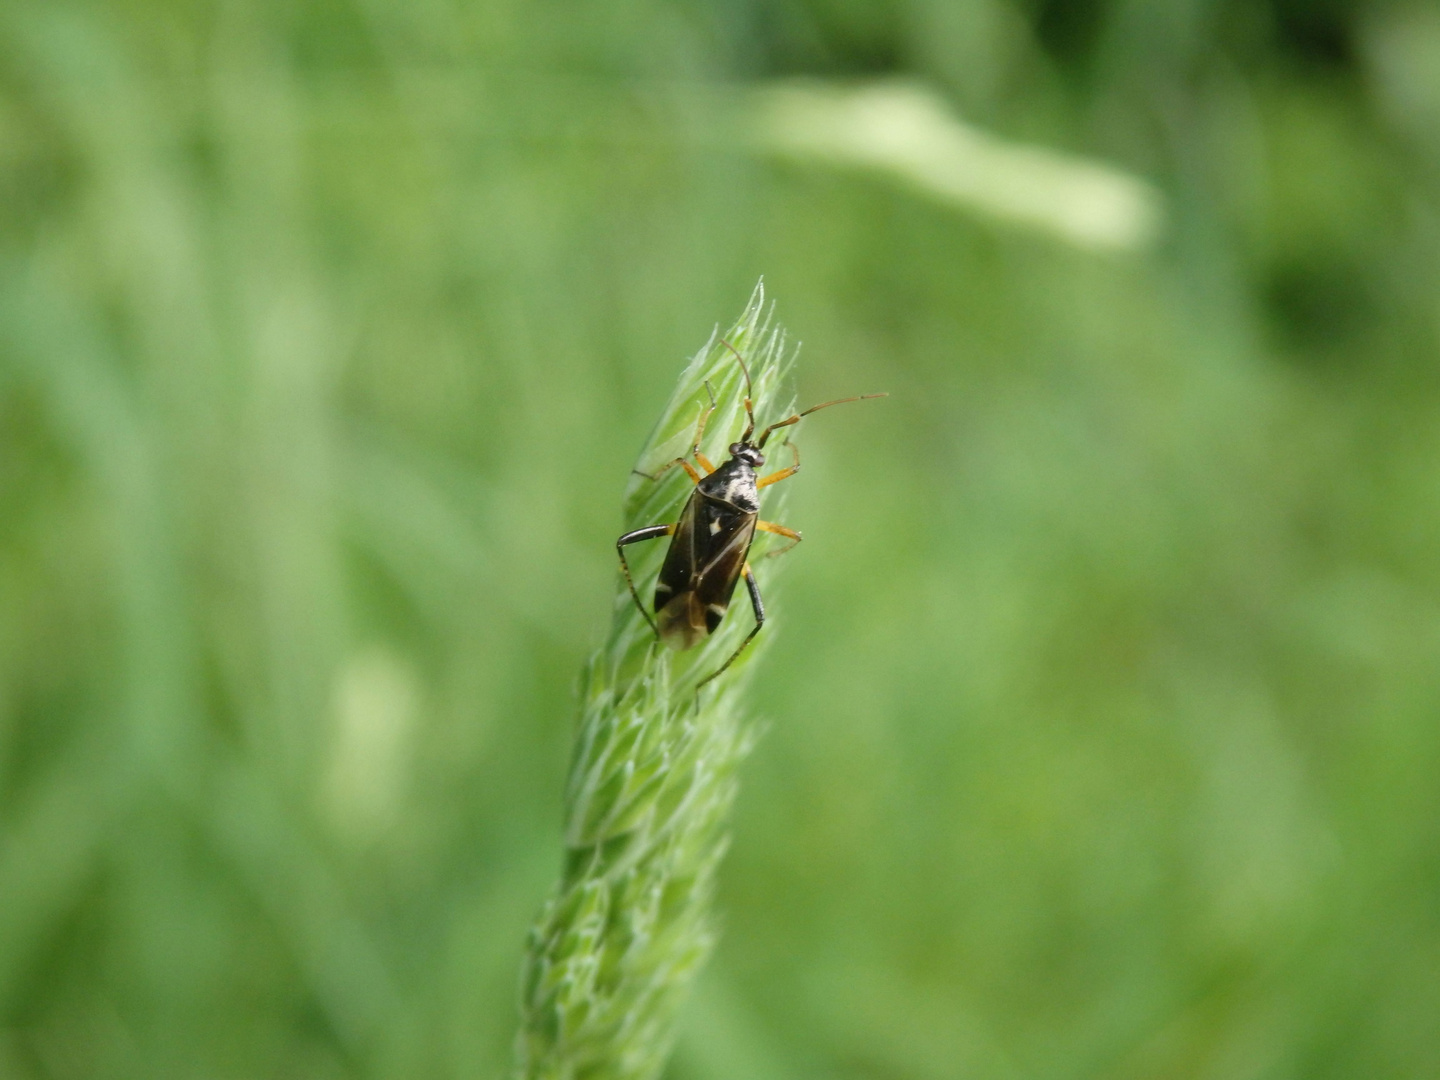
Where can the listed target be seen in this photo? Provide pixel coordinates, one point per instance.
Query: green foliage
(1101, 705)
(653, 775)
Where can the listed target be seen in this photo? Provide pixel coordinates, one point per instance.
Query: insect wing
(731, 532)
(681, 559)
(701, 569)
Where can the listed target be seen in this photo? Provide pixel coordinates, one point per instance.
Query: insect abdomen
(686, 620)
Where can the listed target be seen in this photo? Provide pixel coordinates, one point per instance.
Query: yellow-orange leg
(778, 530)
(759, 606)
(695, 476)
(650, 532)
(700, 433)
(776, 477)
(694, 448)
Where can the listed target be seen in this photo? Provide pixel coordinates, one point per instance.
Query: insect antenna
(813, 408)
(749, 393)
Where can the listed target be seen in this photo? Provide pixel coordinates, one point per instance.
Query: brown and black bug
(711, 546)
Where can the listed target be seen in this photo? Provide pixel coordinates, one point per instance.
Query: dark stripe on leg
(650, 532)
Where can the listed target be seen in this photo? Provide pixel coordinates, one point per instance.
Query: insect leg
(694, 448)
(695, 476)
(759, 606)
(650, 532)
(700, 433)
(776, 477)
(778, 530)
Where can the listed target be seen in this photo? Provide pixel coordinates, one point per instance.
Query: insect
(709, 552)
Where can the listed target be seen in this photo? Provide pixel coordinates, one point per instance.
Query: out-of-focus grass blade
(906, 132)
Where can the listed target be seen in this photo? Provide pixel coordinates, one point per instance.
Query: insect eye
(735, 449)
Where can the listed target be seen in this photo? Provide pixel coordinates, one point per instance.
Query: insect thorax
(733, 482)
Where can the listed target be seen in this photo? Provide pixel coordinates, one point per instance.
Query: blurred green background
(1103, 694)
